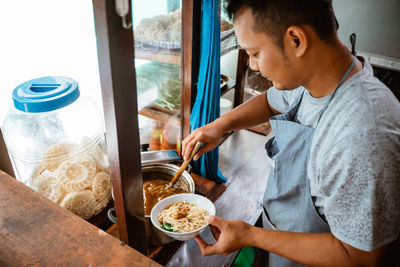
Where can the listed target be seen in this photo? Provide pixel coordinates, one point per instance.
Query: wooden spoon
(185, 164)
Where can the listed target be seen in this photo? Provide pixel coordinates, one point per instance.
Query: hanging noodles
(165, 27)
(160, 28)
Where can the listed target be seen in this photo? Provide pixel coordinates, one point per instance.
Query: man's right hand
(209, 135)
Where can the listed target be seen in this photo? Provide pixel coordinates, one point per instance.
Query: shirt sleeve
(282, 99)
(359, 177)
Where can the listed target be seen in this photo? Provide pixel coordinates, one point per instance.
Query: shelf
(171, 116)
(173, 56)
(159, 55)
(173, 113)
(163, 115)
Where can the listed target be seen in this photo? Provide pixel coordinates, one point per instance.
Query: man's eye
(255, 55)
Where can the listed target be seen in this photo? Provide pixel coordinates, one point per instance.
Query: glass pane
(157, 33)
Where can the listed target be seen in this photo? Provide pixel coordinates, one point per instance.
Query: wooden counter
(36, 232)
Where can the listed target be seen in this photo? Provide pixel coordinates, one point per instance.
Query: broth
(155, 190)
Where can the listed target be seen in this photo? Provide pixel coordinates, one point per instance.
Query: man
(332, 197)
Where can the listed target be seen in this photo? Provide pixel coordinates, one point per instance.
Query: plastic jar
(55, 139)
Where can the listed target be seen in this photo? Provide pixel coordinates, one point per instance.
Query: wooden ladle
(185, 164)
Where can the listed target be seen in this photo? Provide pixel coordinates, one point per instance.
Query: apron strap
(337, 87)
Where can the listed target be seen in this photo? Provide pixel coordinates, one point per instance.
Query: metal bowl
(160, 171)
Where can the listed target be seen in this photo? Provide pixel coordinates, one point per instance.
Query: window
(47, 38)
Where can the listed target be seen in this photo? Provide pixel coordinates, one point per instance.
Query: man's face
(264, 54)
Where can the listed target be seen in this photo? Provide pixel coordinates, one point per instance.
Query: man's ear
(296, 41)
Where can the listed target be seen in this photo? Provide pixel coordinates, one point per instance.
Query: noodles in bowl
(182, 216)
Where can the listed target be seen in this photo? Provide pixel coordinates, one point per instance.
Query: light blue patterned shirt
(354, 167)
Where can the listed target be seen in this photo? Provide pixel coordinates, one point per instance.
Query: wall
(376, 24)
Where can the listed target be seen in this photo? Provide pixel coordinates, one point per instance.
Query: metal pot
(153, 172)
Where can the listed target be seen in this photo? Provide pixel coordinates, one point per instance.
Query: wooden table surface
(36, 232)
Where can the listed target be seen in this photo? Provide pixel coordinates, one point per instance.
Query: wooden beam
(189, 60)
(159, 55)
(115, 48)
(240, 77)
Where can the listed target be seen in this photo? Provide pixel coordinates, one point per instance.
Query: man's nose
(253, 64)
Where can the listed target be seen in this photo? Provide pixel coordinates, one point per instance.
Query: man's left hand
(230, 236)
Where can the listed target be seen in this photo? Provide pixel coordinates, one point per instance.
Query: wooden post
(240, 77)
(189, 59)
(115, 48)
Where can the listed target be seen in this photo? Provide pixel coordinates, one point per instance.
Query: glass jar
(169, 137)
(55, 139)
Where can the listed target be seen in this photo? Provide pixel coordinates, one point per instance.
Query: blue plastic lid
(45, 94)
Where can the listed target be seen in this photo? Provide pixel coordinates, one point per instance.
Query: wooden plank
(36, 232)
(115, 48)
(159, 55)
(113, 230)
(216, 192)
(203, 185)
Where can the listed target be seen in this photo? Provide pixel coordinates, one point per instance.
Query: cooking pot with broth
(155, 176)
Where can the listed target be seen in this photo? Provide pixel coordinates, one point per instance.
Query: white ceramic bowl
(198, 200)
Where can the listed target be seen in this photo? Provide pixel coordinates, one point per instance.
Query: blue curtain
(206, 105)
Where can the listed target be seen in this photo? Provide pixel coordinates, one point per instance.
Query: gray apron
(288, 204)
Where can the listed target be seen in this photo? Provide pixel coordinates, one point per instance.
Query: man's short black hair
(275, 16)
